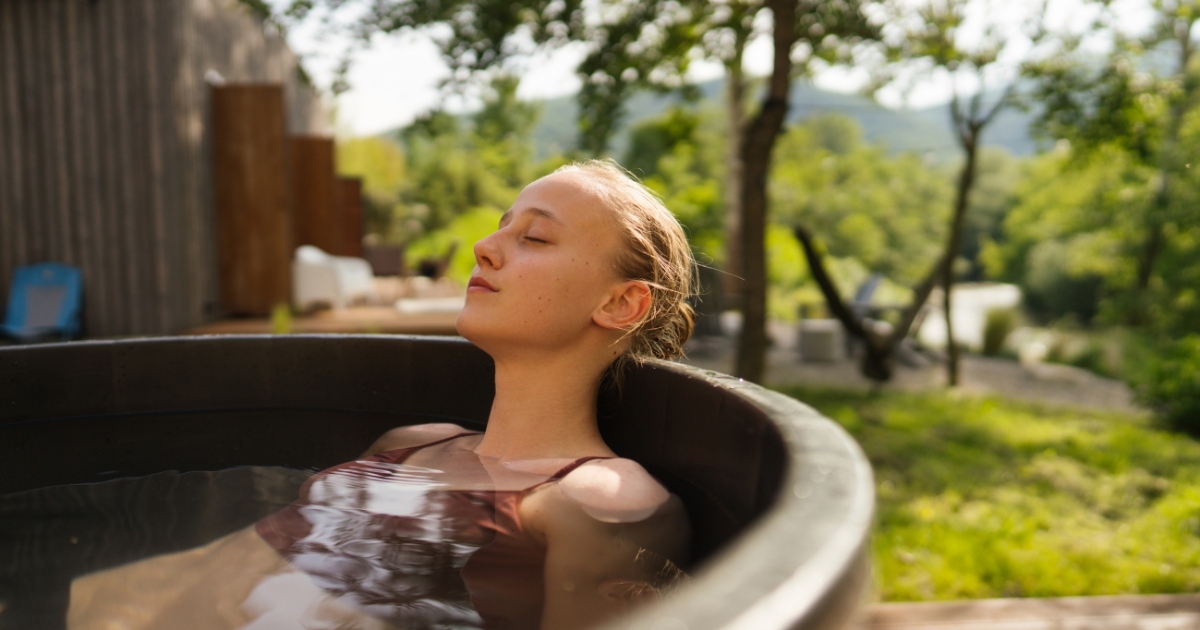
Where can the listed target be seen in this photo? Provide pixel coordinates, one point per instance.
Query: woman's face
(539, 278)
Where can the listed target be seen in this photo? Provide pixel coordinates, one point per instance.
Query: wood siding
(315, 194)
(105, 150)
(253, 212)
(350, 216)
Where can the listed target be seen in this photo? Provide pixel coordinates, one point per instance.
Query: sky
(396, 78)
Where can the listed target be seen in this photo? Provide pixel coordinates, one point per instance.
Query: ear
(625, 305)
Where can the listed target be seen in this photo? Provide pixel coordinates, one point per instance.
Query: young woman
(534, 523)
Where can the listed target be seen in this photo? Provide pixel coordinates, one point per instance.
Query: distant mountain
(925, 131)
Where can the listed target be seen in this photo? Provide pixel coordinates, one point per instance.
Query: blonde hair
(655, 251)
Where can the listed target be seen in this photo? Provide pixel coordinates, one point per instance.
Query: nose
(487, 253)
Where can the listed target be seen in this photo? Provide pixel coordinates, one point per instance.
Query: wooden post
(254, 224)
(315, 191)
(350, 215)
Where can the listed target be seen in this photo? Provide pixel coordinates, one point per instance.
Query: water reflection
(382, 543)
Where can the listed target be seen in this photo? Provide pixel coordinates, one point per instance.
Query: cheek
(572, 286)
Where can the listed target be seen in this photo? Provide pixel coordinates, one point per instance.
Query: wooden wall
(315, 194)
(350, 215)
(105, 158)
(254, 215)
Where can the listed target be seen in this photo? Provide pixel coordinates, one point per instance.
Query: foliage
(1169, 382)
(992, 197)
(1069, 238)
(382, 167)
(504, 131)
(889, 213)
(1076, 240)
(1140, 103)
(979, 497)
(678, 155)
(448, 174)
(462, 232)
(997, 326)
(652, 139)
(281, 319)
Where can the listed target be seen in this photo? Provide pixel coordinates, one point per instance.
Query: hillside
(923, 130)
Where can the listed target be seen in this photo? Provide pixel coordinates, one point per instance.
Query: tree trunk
(966, 181)
(1168, 163)
(757, 144)
(877, 361)
(735, 115)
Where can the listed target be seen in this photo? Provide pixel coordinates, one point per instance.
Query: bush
(1093, 358)
(1169, 383)
(996, 328)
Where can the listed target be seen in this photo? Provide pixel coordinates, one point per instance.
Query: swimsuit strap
(563, 472)
(566, 470)
(413, 449)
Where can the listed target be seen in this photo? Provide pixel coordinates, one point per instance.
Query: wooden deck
(357, 319)
(1130, 612)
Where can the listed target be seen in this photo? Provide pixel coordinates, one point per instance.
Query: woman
(535, 523)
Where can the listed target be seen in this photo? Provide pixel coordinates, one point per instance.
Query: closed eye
(535, 240)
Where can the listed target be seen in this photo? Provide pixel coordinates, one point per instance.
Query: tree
(1138, 102)
(381, 165)
(634, 45)
(942, 42)
(935, 37)
(887, 212)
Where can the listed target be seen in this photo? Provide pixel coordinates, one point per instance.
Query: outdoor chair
(44, 302)
(339, 281)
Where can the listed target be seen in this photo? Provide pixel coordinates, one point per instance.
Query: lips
(478, 282)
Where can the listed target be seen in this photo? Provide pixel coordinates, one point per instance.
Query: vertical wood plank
(62, 246)
(10, 158)
(350, 215)
(28, 247)
(314, 185)
(254, 224)
(156, 253)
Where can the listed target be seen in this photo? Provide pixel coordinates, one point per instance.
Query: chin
(475, 327)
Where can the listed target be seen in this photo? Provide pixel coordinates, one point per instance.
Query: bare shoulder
(415, 435)
(616, 491)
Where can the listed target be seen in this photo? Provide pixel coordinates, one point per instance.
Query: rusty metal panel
(253, 220)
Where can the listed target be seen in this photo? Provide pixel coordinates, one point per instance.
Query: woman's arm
(415, 435)
(602, 560)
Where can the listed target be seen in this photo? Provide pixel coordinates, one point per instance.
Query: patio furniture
(318, 278)
(44, 302)
(386, 260)
(821, 340)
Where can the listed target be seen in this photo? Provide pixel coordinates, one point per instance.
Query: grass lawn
(979, 497)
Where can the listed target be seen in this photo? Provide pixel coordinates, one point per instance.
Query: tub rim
(762, 579)
(788, 587)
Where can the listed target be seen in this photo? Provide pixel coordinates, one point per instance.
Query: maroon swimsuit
(391, 540)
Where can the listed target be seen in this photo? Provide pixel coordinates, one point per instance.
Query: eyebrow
(545, 214)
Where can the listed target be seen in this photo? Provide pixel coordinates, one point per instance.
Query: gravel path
(1043, 382)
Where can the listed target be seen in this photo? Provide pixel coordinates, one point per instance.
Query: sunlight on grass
(979, 497)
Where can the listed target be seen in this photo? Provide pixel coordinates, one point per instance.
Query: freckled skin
(532, 259)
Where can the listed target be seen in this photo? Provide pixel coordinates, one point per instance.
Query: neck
(545, 407)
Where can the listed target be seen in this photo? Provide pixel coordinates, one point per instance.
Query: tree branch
(817, 267)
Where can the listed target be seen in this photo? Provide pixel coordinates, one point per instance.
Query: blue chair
(45, 300)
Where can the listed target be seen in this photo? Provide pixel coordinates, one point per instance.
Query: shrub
(1093, 358)
(1169, 383)
(996, 328)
